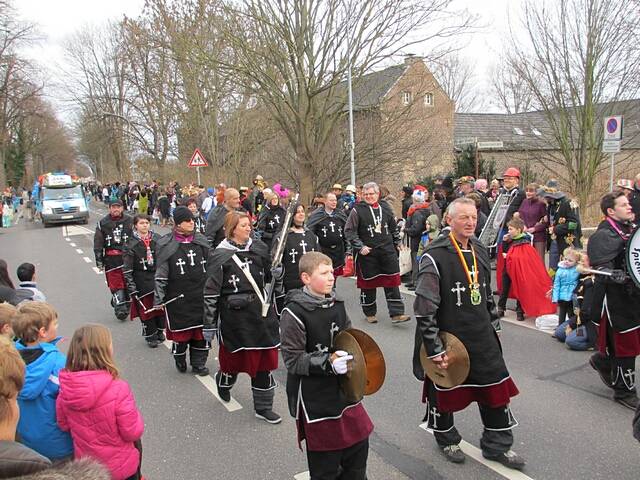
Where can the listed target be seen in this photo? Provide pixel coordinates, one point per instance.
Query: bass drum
(632, 257)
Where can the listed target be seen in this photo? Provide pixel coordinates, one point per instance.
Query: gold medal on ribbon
(474, 286)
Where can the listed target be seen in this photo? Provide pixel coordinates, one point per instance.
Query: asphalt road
(569, 427)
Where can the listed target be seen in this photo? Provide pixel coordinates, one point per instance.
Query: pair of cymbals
(458, 360)
(367, 370)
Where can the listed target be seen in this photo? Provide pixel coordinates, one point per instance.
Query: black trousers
(262, 387)
(347, 464)
(150, 327)
(565, 309)
(198, 352)
(498, 422)
(623, 369)
(392, 295)
(504, 295)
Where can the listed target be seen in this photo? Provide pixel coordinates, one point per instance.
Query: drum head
(633, 257)
(354, 382)
(458, 369)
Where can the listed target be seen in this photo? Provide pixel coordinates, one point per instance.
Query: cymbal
(374, 360)
(458, 369)
(352, 383)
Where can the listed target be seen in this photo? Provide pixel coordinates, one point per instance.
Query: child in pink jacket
(97, 407)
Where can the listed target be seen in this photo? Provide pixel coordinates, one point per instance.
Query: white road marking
(302, 476)
(97, 270)
(68, 239)
(79, 251)
(210, 385)
(72, 230)
(72, 244)
(87, 259)
(475, 453)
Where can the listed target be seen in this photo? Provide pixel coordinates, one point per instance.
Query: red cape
(499, 270)
(529, 280)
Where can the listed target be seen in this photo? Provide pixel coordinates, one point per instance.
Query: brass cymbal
(458, 369)
(374, 360)
(352, 383)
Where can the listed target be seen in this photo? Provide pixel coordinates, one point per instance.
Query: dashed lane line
(302, 476)
(72, 244)
(475, 453)
(87, 259)
(79, 251)
(232, 406)
(97, 270)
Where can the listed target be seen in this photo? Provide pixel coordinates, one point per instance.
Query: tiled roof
(370, 89)
(531, 131)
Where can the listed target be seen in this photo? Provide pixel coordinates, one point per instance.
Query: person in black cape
(179, 283)
(112, 233)
(618, 298)
(234, 297)
(454, 295)
(139, 260)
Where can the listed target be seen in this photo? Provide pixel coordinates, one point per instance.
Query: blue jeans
(573, 341)
(554, 255)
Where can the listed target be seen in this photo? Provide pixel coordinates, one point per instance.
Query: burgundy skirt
(382, 280)
(248, 361)
(115, 279)
(143, 303)
(459, 398)
(184, 336)
(625, 344)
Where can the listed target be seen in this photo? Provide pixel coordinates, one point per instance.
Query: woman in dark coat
(533, 212)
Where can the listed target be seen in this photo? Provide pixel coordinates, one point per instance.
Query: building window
(518, 131)
(428, 100)
(406, 98)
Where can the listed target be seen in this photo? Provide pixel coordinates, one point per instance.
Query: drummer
(454, 295)
(336, 431)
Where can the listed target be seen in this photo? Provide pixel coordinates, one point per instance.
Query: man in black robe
(112, 233)
(372, 231)
(454, 295)
(618, 300)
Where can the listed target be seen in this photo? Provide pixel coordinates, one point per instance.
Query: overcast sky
(56, 19)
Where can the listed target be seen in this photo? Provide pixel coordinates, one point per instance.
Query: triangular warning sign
(197, 159)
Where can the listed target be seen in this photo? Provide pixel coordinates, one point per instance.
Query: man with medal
(453, 295)
(373, 233)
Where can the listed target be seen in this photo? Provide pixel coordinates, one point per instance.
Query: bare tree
(578, 59)
(96, 82)
(456, 76)
(294, 54)
(509, 93)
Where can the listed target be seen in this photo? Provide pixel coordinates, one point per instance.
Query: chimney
(410, 58)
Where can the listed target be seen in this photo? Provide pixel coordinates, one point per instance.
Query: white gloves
(339, 365)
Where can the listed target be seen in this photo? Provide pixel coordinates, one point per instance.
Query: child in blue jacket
(565, 282)
(36, 327)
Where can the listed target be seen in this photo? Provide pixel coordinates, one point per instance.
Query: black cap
(116, 202)
(182, 214)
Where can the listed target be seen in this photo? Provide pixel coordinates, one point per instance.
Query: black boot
(602, 365)
(181, 364)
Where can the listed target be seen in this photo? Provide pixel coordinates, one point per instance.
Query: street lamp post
(352, 145)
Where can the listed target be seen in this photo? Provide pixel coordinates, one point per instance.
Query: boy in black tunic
(335, 430)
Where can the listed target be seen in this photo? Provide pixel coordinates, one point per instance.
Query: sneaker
(411, 288)
(629, 401)
(160, 336)
(509, 459)
(152, 342)
(400, 318)
(200, 371)
(605, 373)
(520, 317)
(181, 365)
(268, 416)
(372, 319)
(453, 453)
(500, 312)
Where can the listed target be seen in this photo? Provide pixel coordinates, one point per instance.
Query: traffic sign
(613, 128)
(197, 159)
(610, 146)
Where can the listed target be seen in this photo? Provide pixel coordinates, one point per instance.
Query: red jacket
(101, 415)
